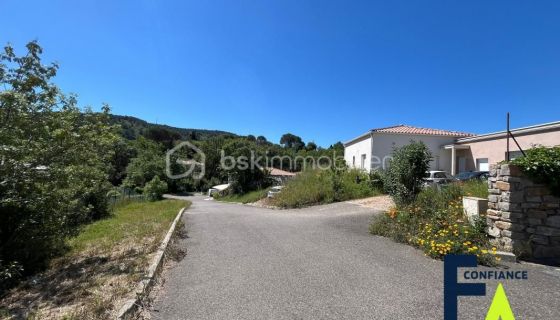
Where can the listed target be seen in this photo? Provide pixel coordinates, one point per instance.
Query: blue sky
(324, 70)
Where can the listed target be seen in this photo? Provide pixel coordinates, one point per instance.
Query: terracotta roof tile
(404, 129)
(278, 172)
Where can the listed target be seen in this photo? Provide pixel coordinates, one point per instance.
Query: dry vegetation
(100, 269)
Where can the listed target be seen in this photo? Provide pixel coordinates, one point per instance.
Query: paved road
(319, 263)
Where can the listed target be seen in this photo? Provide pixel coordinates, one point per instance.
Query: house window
(354, 161)
(482, 164)
(363, 161)
(514, 155)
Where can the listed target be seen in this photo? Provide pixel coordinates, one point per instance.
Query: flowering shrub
(435, 224)
(543, 165)
(438, 240)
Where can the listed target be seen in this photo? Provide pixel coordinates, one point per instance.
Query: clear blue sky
(324, 70)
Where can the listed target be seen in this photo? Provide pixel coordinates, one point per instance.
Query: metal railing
(510, 135)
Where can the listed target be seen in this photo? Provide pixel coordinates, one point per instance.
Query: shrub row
(325, 186)
(435, 223)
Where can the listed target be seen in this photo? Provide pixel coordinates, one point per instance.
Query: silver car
(274, 191)
(437, 178)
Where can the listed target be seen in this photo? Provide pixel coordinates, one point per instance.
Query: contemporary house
(477, 152)
(453, 151)
(373, 149)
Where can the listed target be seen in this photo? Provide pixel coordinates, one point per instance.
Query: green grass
(245, 198)
(104, 263)
(475, 188)
(130, 222)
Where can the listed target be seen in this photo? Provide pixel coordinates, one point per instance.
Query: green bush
(324, 186)
(354, 184)
(404, 178)
(155, 189)
(376, 180)
(55, 159)
(542, 164)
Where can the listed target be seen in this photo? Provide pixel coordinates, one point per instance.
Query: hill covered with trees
(131, 128)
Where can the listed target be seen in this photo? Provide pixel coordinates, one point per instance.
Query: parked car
(478, 175)
(217, 189)
(437, 178)
(274, 191)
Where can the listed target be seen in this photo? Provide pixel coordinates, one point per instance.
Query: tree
(162, 136)
(193, 136)
(311, 146)
(338, 147)
(123, 152)
(405, 175)
(54, 161)
(149, 162)
(251, 138)
(291, 141)
(245, 176)
(261, 140)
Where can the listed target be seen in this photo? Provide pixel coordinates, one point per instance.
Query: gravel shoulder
(382, 203)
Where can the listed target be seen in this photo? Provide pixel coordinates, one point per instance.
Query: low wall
(523, 217)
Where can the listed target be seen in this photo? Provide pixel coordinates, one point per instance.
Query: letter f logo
(452, 289)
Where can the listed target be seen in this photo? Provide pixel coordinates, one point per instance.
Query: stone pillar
(523, 217)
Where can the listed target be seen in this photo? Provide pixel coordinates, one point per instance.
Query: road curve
(319, 263)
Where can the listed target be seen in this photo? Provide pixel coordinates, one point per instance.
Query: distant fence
(122, 195)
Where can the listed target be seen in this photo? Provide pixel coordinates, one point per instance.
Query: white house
(373, 149)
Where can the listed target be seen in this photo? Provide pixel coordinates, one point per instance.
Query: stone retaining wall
(523, 217)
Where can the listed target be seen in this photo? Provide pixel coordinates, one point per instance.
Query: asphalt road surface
(320, 263)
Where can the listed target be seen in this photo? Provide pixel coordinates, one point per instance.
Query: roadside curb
(507, 256)
(144, 286)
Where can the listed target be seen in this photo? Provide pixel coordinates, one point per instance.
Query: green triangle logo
(500, 308)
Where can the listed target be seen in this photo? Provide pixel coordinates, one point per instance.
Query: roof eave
(360, 137)
(372, 132)
(502, 134)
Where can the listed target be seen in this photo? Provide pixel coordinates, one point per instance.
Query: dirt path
(381, 203)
